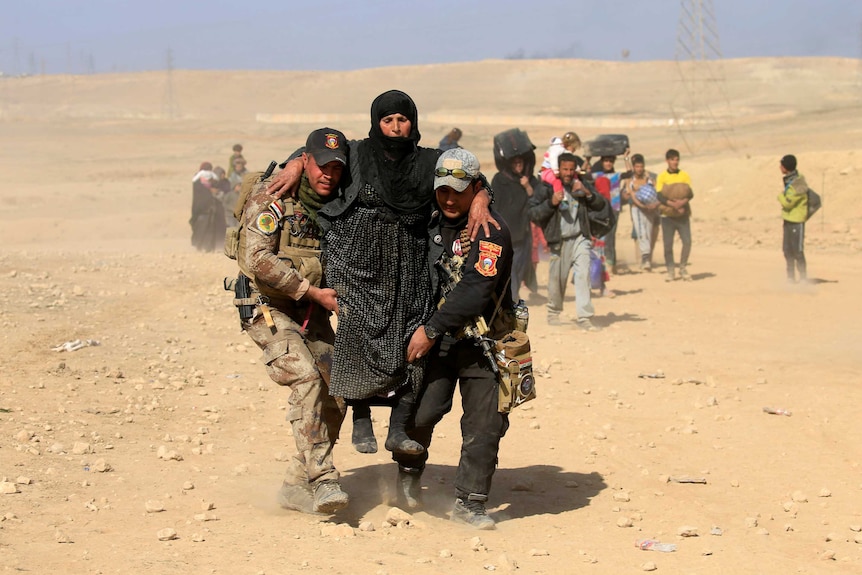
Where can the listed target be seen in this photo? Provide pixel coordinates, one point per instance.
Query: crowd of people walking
(424, 263)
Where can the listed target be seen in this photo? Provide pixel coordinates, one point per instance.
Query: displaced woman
(207, 221)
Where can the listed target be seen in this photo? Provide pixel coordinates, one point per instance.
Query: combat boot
(470, 511)
(296, 497)
(409, 486)
(363, 435)
(329, 497)
(397, 440)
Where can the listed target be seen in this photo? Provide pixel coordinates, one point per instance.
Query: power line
(699, 62)
(170, 110)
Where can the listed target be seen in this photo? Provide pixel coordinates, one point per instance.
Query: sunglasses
(454, 172)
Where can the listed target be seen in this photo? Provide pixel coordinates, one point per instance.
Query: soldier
(484, 269)
(279, 250)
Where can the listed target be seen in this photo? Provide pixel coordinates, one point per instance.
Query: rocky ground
(158, 445)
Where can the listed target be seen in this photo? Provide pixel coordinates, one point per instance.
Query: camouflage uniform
(279, 250)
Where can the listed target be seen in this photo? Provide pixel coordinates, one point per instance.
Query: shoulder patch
(277, 209)
(267, 223)
(488, 254)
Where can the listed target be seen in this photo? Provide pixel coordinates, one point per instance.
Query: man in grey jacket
(563, 218)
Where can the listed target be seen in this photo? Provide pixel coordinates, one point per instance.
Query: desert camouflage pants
(302, 363)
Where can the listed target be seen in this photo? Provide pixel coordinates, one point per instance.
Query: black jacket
(474, 295)
(511, 200)
(545, 214)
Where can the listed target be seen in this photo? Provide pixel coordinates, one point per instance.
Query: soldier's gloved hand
(419, 345)
(286, 180)
(325, 297)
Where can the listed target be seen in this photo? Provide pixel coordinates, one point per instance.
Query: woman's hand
(287, 179)
(480, 215)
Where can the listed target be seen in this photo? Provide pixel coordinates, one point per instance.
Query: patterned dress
(376, 261)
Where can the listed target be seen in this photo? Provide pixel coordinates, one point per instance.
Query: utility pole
(170, 109)
(699, 62)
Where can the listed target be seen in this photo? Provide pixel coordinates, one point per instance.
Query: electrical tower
(701, 109)
(170, 110)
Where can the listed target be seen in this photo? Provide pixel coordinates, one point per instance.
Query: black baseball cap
(326, 145)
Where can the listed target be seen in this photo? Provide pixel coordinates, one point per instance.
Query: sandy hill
(114, 128)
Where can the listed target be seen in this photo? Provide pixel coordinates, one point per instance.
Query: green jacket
(794, 199)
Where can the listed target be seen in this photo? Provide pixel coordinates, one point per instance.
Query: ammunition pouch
(306, 261)
(515, 361)
(503, 323)
(231, 242)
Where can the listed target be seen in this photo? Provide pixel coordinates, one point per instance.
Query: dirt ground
(170, 422)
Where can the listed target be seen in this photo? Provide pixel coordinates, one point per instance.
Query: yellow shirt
(681, 177)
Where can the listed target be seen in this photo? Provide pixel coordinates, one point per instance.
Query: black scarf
(396, 161)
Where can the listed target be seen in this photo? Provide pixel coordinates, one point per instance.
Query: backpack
(814, 203)
(249, 181)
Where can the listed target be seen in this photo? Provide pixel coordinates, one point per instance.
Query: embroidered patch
(456, 248)
(332, 141)
(266, 223)
(488, 254)
(277, 209)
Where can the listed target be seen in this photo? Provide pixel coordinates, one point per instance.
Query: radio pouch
(517, 384)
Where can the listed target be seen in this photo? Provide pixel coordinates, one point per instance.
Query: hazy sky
(78, 36)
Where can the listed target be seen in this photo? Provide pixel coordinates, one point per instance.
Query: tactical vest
(451, 270)
(511, 354)
(299, 238)
(452, 267)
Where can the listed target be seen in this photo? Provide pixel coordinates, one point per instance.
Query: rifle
(477, 327)
(269, 170)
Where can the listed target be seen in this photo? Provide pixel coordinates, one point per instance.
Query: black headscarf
(394, 102)
(399, 165)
